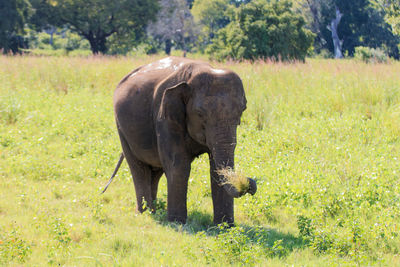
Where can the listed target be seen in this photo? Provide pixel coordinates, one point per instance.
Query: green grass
(321, 138)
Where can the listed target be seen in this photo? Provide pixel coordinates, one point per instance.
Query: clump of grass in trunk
(235, 178)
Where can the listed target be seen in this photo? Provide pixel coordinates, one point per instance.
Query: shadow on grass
(265, 237)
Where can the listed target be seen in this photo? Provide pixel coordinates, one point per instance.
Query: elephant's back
(135, 92)
(138, 87)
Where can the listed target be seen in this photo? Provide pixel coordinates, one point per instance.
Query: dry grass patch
(235, 178)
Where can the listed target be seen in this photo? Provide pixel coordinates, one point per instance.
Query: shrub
(370, 55)
(324, 54)
(305, 226)
(64, 39)
(263, 29)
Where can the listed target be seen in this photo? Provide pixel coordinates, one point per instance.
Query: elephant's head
(213, 102)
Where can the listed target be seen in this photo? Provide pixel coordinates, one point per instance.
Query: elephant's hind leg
(141, 175)
(155, 179)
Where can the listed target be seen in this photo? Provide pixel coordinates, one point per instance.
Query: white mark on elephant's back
(218, 71)
(161, 64)
(177, 66)
(164, 63)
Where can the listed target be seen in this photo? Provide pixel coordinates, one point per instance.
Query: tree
(43, 13)
(174, 25)
(311, 10)
(13, 14)
(333, 28)
(97, 20)
(359, 25)
(263, 29)
(392, 13)
(211, 15)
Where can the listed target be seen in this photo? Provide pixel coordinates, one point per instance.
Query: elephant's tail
(121, 158)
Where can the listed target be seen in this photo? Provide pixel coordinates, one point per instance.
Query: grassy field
(322, 139)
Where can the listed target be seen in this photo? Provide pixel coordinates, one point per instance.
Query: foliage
(370, 55)
(120, 27)
(244, 246)
(364, 26)
(174, 25)
(361, 25)
(61, 39)
(263, 29)
(311, 11)
(322, 138)
(392, 13)
(98, 20)
(211, 15)
(13, 14)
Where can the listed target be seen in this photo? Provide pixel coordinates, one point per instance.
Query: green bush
(324, 54)
(370, 55)
(62, 40)
(263, 29)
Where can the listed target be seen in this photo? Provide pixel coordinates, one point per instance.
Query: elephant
(168, 113)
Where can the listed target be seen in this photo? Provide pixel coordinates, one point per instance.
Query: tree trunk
(337, 43)
(51, 38)
(51, 30)
(168, 46)
(97, 44)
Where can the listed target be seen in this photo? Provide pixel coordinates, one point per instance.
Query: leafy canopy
(263, 29)
(12, 19)
(211, 14)
(392, 13)
(96, 20)
(362, 24)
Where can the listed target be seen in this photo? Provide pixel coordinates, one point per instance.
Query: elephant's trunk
(223, 153)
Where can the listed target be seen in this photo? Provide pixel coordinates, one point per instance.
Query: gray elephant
(168, 113)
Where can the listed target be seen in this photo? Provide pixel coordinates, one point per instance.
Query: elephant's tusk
(121, 158)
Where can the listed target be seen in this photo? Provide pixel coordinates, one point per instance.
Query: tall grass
(322, 138)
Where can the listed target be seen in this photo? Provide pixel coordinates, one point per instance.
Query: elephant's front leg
(176, 162)
(222, 201)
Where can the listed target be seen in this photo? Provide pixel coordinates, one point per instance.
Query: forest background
(223, 29)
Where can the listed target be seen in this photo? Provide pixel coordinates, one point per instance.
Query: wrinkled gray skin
(171, 111)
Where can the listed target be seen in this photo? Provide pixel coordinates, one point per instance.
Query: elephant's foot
(140, 209)
(143, 209)
(224, 219)
(144, 205)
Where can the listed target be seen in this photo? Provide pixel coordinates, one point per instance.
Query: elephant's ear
(173, 101)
